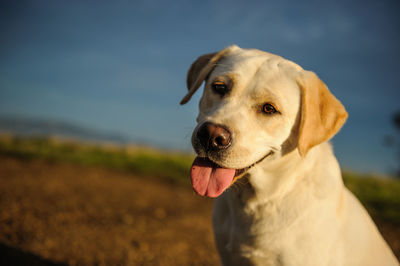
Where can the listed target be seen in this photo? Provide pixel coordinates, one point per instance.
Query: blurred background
(91, 89)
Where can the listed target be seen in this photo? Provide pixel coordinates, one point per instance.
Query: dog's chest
(255, 232)
(258, 233)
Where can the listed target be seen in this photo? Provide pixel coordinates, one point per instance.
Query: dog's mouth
(211, 180)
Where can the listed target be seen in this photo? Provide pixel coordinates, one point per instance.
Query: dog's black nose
(214, 137)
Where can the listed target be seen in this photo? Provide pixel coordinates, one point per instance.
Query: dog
(262, 151)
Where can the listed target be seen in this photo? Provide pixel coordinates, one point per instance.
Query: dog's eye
(269, 109)
(219, 88)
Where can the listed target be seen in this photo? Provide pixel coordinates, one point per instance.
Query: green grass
(170, 166)
(381, 196)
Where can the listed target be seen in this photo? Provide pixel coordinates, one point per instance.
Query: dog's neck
(273, 180)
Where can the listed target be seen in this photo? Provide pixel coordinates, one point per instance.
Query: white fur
(288, 209)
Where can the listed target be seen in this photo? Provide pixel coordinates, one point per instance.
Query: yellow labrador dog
(262, 148)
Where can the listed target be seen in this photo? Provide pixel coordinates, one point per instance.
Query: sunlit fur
(291, 208)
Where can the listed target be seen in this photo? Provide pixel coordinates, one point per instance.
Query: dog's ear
(322, 115)
(196, 67)
(201, 68)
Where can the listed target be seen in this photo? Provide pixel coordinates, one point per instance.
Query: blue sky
(121, 65)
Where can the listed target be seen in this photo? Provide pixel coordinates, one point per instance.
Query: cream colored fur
(290, 208)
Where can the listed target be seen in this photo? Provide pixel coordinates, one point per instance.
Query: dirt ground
(61, 214)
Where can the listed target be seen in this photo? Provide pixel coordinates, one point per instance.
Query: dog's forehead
(261, 71)
(252, 60)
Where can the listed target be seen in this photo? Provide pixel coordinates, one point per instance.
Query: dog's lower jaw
(239, 172)
(211, 179)
(242, 172)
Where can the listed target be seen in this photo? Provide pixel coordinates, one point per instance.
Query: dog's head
(255, 107)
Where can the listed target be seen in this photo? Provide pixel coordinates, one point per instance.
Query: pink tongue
(208, 179)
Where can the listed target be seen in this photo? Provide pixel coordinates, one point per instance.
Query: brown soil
(92, 216)
(57, 214)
